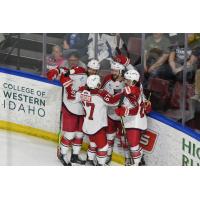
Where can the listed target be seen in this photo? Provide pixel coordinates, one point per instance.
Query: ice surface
(22, 150)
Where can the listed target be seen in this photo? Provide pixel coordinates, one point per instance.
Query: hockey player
(113, 83)
(133, 111)
(72, 112)
(95, 102)
(93, 67)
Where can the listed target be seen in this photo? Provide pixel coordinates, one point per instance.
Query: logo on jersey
(148, 140)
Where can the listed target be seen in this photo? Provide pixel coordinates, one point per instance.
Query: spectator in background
(73, 59)
(106, 45)
(156, 56)
(176, 61)
(76, 42)
(112, 40)
(195, 57)
(56, 58)
(133, 42)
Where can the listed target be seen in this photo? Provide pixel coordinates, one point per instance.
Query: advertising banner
(30, 102)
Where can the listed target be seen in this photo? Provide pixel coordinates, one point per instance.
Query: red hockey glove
(77, 70)
(122, 59)
(147, 107)
(52, 74)
(122, 111)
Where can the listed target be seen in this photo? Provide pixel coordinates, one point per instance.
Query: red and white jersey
(69, 95)
(113, 87)
(135, 103)
(95, 103)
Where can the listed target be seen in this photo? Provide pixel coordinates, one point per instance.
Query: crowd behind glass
(169, 65)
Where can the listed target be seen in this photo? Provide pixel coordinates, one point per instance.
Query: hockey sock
(77, 142)
(91, 152)
(102, 155)
(110, 139)
(136, 154)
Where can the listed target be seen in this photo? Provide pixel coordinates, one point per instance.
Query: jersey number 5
(92, 106)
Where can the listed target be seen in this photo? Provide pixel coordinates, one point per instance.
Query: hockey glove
(122, 111)
(75, 70)
(147, 107)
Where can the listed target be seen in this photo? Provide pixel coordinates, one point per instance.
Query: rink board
(168, 143)
(165, 142)
(30, 102)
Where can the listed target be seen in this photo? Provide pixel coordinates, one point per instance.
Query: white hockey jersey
(95, 103)
(135, 104)
(74, 107)
(113, 87)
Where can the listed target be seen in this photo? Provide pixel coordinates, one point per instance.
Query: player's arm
(172, 62)
(52, 74)
(67, 82)
(160, 61)
(76, 70)
(77, 95)
(125, 111)
(132, 94)
(105, 81)
(110, 100)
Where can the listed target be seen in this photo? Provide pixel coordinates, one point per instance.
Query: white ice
(22, 150)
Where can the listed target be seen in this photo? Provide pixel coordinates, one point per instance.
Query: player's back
(138, 120)
(95, 109)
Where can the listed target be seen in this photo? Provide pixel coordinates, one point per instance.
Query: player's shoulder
(108, 77)
(78, 70)
(135, 89)
(133, 93)
(82, 88)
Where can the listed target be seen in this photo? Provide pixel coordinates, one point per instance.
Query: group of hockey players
(101, 110)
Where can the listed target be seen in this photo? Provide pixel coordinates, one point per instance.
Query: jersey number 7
(92, 106)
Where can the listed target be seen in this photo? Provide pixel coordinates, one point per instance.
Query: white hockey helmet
(132, 75)
(117, 66)
(94, 64)
(93, 81)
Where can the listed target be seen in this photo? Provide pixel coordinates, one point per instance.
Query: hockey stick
(125, 139)
(60, 126)
(124, 131)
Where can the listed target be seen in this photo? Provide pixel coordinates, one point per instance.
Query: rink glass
(28, 52)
